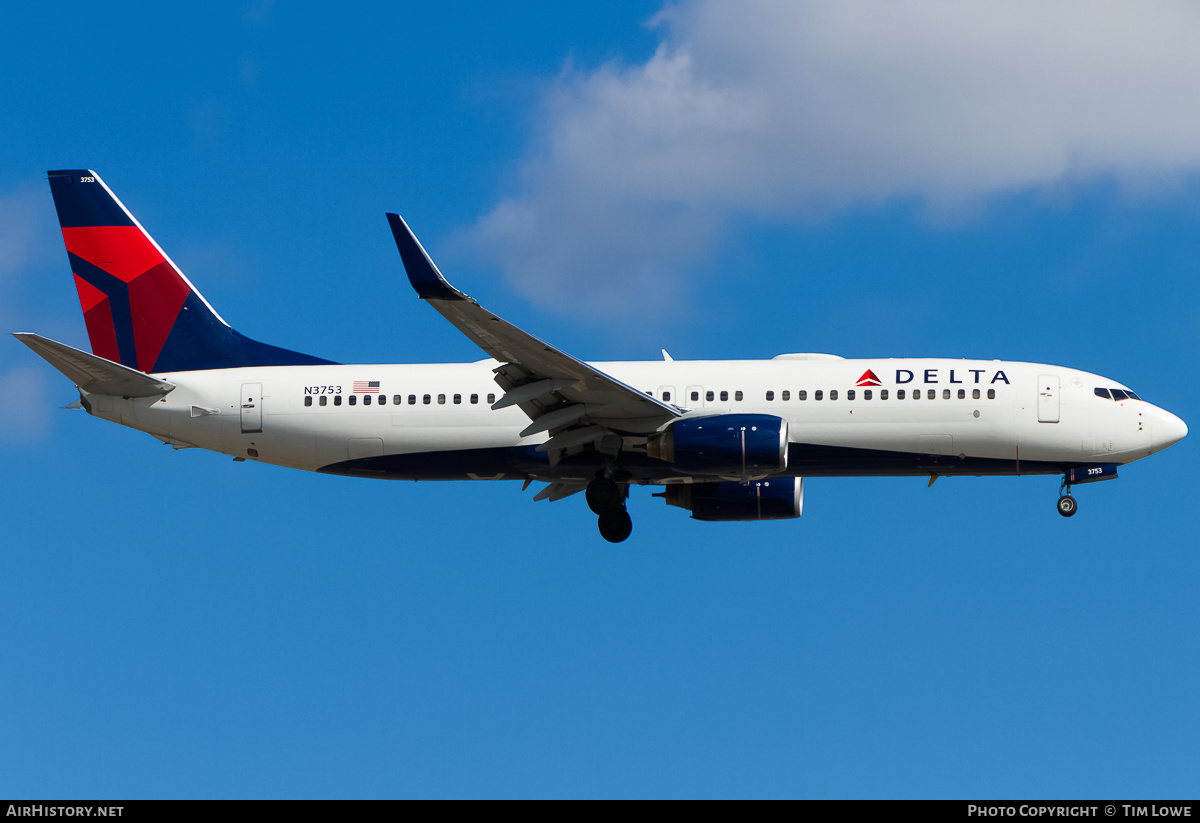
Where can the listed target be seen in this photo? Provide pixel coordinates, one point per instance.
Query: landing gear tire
(615, 525)
(1067, 505)
(603, 496)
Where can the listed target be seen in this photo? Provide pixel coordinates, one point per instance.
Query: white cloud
(23, 413)
(24, 225)
(798, 110)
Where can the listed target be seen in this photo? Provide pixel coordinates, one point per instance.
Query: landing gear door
(251, 408)
(1048, 398)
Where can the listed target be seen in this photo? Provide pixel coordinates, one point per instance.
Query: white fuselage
(312, 417)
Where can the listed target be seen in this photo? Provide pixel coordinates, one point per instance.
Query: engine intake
(778, 499)
(738, 445)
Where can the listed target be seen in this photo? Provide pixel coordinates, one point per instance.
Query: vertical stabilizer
(140, 309)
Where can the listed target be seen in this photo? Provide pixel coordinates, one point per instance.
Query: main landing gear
(1067, 506)
(607, 500)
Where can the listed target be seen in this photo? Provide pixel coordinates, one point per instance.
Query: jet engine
(778, 499)
(738, 445)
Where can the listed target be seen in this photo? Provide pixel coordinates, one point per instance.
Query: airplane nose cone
(1168, 430)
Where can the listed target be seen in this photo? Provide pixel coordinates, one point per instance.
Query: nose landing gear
(1067, 506)
(1082, 474)
(607, 500)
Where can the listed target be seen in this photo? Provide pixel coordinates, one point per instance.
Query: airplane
(725, 440)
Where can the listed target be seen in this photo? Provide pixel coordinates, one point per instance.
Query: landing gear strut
(607, 499)
(1067, 505)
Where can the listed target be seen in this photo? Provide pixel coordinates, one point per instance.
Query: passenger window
(931, 394)
(724, 396)
(945, 394)
(833, 394)
(991, 394)
(962, 394)
(770, 395)
(323, 400)
(441, 399)
(308, 399)
(883, 394)
(974, 394)
(474, 399)
(426, 399)
(666, 397)
(787, 395)
(396, 399)
(737, 395)
(366, 399)
(866, 394)
(899, 394)
(850, 395)
(491, 399)
(337, 400)
(818, 395)
(383, 399)
(412, 400)
(353, 399)
(457, 399)
(708, 395)
(802, 395)
(695, 396)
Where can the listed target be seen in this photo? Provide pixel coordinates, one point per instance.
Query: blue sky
(1015, 181)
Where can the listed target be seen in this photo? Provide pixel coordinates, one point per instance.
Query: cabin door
(1048, 398)
(251, 408)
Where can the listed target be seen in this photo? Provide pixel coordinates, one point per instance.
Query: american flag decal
(366, 387)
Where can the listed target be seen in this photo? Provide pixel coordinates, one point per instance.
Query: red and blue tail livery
(140, 310)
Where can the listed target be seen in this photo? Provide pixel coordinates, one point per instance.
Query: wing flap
(557, 491)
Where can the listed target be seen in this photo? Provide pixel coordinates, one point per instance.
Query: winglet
(422, 273)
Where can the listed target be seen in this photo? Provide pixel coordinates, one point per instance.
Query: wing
(576, 403)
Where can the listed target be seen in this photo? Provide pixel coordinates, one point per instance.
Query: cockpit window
(1116, 394)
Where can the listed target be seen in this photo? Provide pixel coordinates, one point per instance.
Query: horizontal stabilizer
(93, 374)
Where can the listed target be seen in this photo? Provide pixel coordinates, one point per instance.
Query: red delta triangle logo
(868, 379)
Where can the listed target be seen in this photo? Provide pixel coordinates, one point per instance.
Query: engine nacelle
(738, 445)
(778, 499)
